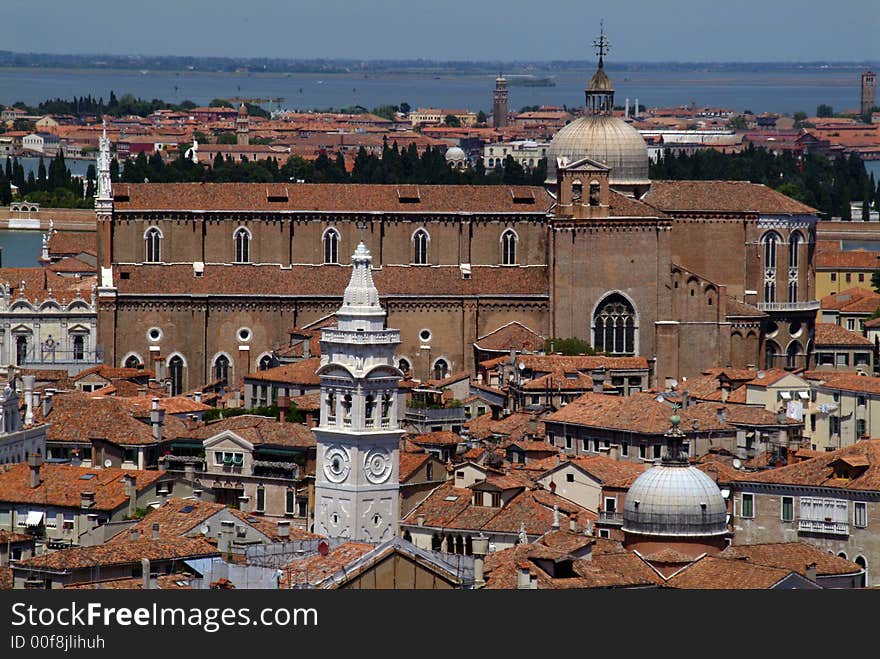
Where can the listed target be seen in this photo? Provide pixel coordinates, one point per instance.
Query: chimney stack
(598, 377)
(157, 416)
(224, 542)
(142, 392)
(197, 396)
(133, 535)
(420, 520)
(86, 499)
(721, 414)
(155, 530)
(480, 549)
(34, 461)
(685, 399)
(47, 402)
(189, 472)
(810, 572)
(28, 381)
(243, 503)
(145, 574)
(131, 489)
(614, 452)
(626, 109)
(307, 347)
(555, 525)
(197, 494)
(573, 522)
(725, 391)
(283, 403)
(283, 528)
(523, 576)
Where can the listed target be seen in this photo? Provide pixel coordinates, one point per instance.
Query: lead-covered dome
(674, 500)
(609, 140)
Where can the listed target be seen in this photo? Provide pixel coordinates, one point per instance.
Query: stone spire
(360, 308)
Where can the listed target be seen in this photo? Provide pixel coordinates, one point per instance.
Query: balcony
(613, 519)
(825, 527)
(803, 305)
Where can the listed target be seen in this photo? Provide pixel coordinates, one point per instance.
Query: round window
(244, 334)
(794, 330)
(425, 335)
(154, 334)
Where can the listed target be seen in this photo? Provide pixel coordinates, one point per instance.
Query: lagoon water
(758, 90)
(20, 249)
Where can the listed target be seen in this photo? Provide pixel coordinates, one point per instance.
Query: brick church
(201, 279)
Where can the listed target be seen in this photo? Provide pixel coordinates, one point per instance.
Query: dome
(454, 153)
(674, 501)
(600, 82)
(606, 139)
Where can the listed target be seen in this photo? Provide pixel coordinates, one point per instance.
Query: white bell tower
(356, 484)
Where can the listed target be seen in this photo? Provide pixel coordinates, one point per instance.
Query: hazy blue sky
(645, 30)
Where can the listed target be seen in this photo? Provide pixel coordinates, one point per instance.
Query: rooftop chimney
(197, 494)
(131, 489)
(47, 402)
(243, 503)
(420, 520)
(224, 542)
(685, 399)
(810, 572)
(142, 392)
(555, 525)
(86, 499)
(189, 472)
(725, 391)
(197, 396)
(155, 530)
(133, 535)
(523, 576)
(283, 528)
(157, 416)
(283, 404)
(145, 574)
(573, 522)
(721, 414)
(480, 548)
(28, 381)
(34, 461)
(598, 377)
(307, 347)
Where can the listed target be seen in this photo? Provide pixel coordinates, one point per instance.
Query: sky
(639, 30)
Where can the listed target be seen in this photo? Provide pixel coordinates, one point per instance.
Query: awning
(803, 394)
(34, 518)
(725, 492)
(785, 395)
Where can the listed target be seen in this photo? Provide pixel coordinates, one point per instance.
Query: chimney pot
(35, 460)
(145, 574)
(811, 572)
(155, 530)
(573, 523)
(133, 535)
(283, 528)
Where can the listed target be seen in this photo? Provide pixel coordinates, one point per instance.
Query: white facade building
(526, 152)
(356, 484)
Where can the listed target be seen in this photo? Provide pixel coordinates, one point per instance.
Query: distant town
(407, 347)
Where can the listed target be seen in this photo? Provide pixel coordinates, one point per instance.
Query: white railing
(823, 526)
(377, 337)
(803, 305)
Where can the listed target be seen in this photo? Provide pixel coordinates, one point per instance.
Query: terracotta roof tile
(437, 438)
(121, 553)
(258, 430)
(855, 259)
(410, 463)
(831, 334)
(61, 485)
(716, 573)
(794, 556)
(314, 569)
(550, 363)
(176, 518)
(512, 335)
(724, 196)
(852, 299)
(513, 427)
(849, 382)
(70, 243)
(302, 372)
(176, 581)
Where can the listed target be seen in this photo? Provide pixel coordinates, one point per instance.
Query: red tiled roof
(512, 335)
(831, 334)
(437, 438)
(610, 472)
(302, 372)
(258, 430)
(571, 363)
(852, 299)
(849, 382)
(794, 556)
(723, 196)
(337, 197)
(855, 259)
(314, 569)
(121, 553)
(512, 427)
(73, 242)
(716, 573)
(61, 485)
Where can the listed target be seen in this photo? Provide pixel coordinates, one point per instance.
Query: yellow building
(838, 270)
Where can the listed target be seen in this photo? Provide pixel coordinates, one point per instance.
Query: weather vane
(601, 44)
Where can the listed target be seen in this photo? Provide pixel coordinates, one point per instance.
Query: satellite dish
(737, 463)
(204, 529)
(521, 366)
(761, 374)
(108, 463)
(673, 384)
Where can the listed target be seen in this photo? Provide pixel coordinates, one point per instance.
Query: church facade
(690, 274)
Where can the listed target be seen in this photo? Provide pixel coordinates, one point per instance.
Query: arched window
(265, 362)
(793, 354)
(420, 247)
(508, 247)
(793, 261)
(331, 246)
(21, 349)
(770, 241)
(132, 361)
(594, 193)
(242, 241)
(175, 374)
(404, 365)
(441, 369)
(614, 326)
(153, 244)
(79, 347)
(771, 350)
(221, 369)
(862, 563)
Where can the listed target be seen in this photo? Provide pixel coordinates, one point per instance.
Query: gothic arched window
(175, 374)
(420, 247)
(508, 247)
(614, 326)
(770, 241)
(793, 262)
(793, 354)
(265, 362)
(441, 369)
(242, 241)
(771, 350)
(153, 244)
(132, 361)
(221, 369)
(331, 246)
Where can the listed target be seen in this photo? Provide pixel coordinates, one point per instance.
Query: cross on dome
(601, 44)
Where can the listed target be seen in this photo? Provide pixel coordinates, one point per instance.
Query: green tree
(481, 117)
(824, 110)
(451, 120)
(226, 138)
(738, 122)
(875, 280)
(569, 346)
(799, 118)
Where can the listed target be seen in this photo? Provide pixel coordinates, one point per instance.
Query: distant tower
(499, 102)
(242, 126)
(356, 483)
(869, 80)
